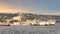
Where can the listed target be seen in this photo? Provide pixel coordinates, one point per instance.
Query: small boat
(4, 25)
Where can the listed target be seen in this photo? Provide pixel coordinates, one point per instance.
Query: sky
(32, 6)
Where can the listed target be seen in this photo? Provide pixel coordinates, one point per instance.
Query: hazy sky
(36, 6)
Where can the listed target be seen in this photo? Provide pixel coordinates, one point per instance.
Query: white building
(17, 18)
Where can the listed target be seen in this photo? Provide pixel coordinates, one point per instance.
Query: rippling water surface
(29, 29)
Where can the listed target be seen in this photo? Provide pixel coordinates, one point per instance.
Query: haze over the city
(49, 7)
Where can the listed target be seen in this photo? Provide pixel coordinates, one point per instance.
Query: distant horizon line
(39, 13)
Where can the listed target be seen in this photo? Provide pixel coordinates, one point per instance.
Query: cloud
(8, 8)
